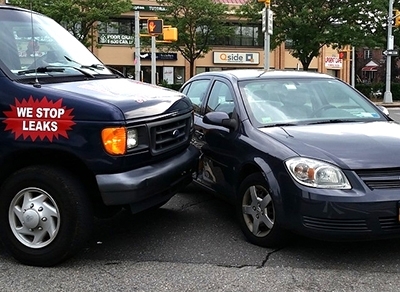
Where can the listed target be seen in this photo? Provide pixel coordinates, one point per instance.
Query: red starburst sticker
(41, 119)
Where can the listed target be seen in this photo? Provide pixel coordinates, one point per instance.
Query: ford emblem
(175, 133)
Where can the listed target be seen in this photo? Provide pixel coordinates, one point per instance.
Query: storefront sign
(236, 58)
(116, 39)
(148, 8)
(333, 63)
(159, 56)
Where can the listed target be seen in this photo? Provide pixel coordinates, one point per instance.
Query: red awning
(369, 68)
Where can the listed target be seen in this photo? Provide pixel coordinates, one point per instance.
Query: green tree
(199, 22)
(79, 17)
(310, 25)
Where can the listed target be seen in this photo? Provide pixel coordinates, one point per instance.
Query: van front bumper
(153, 183)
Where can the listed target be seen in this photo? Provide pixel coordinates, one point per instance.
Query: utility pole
(137, 46)
(387, 97)
(353, 66)
(267, 17)
(153, 60)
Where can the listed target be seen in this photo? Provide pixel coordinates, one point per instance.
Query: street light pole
(267, 29)
(387, 97)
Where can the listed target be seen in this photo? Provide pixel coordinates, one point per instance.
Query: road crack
(267, 257)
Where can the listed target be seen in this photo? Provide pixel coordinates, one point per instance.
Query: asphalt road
(394, 113)
(194, 244)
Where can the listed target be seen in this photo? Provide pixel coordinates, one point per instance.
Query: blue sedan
(297, 152)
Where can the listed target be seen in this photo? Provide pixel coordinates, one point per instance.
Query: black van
(78, 140)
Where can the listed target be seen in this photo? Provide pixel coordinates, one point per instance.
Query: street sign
(264, 19)
(267, 18)
(390, 53)
(270, 16)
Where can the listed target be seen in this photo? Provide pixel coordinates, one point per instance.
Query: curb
(388, 105)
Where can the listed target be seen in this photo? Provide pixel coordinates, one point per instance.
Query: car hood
(135, 99)
(349, 145)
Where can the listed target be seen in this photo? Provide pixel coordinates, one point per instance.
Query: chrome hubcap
(34, 217)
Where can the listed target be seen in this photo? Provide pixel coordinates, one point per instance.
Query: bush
(395, 89)
(370, 90)
(364, 89)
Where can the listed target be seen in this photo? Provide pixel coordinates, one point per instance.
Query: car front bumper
(151, 184)
(346, 218)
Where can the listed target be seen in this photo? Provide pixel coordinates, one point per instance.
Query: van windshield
(35, 45)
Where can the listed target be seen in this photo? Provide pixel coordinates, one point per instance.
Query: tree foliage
(310, 25)
(78, 16)
(199, 23)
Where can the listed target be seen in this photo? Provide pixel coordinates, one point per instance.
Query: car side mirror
(220, 119)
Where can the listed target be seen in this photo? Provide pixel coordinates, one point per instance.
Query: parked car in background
(78, 140)
(297, 152)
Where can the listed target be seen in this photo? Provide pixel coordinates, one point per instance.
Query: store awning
(369, 68)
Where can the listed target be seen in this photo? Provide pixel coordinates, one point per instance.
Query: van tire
(45, 215)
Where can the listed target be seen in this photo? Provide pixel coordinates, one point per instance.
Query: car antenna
(36, 84)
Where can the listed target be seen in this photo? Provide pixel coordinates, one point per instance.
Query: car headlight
(317, 174)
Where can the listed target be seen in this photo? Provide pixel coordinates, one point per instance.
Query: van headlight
(132, 139)
(317, 174)
(117, 140)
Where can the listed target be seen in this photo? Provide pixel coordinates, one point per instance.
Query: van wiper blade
(87, 74)
(94, 66)
(46, 69)
(49, 69)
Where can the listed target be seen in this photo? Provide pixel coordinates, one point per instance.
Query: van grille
(169, 134)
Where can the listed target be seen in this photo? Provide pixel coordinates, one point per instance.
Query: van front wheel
(45, 215)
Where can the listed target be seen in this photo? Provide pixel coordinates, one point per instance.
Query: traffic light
(155, 26)
(396, 18)
(343, 55)
(170, 34)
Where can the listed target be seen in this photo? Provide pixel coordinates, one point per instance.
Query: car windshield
(35, 45)
(272, 102)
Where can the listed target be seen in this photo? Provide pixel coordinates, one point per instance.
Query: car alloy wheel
(257, 213)
(258, 210)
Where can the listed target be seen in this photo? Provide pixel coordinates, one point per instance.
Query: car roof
(245, 74)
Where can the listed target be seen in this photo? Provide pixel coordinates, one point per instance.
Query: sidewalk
(388, 105)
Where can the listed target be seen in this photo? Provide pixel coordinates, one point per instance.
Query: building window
(244, 35)
(179, 75)
(164, 74)
(367, 54)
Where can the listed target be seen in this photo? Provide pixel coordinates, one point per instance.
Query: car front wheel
(257, 213)
(45, 215)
